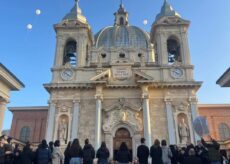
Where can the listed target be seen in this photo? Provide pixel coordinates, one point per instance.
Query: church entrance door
(122, 135)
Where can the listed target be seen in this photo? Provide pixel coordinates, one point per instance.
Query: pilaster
(99, 98)
(75, 119)
(50, 121)
(2, 113)
(193, 105)
(170, 121)
(146, 116)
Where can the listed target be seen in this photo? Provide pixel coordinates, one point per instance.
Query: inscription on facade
(121, 73)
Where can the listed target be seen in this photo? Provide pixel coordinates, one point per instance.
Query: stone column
(146, 116)
(2, 114)
(171, 126)
(75, 118)
(98, 127)
(50, 122)
(193, 105)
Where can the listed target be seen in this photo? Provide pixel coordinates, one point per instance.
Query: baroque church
(119, 85)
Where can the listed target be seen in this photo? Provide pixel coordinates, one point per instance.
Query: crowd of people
(159, 153)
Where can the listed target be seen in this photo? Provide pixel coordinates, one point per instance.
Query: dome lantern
(121, 16)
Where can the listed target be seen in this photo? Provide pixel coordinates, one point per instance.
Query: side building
(8, 82)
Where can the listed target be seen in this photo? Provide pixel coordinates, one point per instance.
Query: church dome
(122, 36)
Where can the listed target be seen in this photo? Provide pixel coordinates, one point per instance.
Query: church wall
(179, 100)
(35, 120)
(87, 116)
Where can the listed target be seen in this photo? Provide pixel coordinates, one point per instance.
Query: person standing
(123, 155)
(8, 152)
(75, 152)
(143, 152)
(57, 155)
(51, 146)
(192, 158)
(27, 155)
(166, 153)
(2, 151)
(202, 152)
(213, 150)
(16, 154)
(43, 153)
(102, 154)
(156, 153)
(66, 153)
(88, 153)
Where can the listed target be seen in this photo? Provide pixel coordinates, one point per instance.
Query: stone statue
(63, 129)
(183, 132)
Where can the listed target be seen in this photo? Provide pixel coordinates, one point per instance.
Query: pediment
(104, 76)
(172, 20)
(142, 76)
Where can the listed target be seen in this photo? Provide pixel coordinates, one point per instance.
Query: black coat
(43, 155)
(67, 156)
(143, 154)
(27, 156)
(202, 153)
(88, 154)
(192, 160)
(123, 156)
(2, 155)
(156, 155)
(102, 155)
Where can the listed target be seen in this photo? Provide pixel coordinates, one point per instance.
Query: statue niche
(63, 129)
(183, 128)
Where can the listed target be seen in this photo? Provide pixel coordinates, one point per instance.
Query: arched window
(25, 134)
(173, 49)
(224, 131)
(70, 54)
(121, 21)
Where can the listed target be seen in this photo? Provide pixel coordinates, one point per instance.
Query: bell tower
(169, 34)
(73, 40)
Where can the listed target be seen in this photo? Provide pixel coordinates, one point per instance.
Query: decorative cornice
(29, 108)
(10, 79)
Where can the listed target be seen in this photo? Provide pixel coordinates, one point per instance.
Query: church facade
(123, 83)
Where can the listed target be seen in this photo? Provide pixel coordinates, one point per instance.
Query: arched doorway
(121, 135)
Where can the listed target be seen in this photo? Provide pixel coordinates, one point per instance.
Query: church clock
(67, 74)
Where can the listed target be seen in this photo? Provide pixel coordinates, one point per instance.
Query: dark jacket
(43, 155)
(213, 150)
(88, 154)
(2, 155)
(192, 160)
(202, 153)
(123, 156)
(67, 156)
(75, 153)
(156, 155)
(143, 154)
(27, 156)
(102, 155)
(9, 157)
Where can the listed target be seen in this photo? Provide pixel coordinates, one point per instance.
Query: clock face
(177, 73)
(67, 74)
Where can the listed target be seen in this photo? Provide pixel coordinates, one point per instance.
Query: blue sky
(30, 54)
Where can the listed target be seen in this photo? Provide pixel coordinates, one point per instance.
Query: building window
(70, 54)
(173, 49)
(25, 134)
(121, 21)
(224, 131)
(122, 55)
